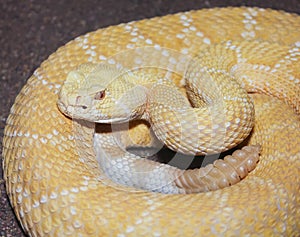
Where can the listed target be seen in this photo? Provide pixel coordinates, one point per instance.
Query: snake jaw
(113, 120)
(136, 113)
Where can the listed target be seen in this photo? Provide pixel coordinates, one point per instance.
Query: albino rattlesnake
(54, 191)
(222, 119)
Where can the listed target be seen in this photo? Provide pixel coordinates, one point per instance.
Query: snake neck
(141, 89)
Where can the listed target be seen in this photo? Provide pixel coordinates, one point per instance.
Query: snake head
(101, 93)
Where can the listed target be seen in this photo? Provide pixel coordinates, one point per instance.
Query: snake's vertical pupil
(99, 95)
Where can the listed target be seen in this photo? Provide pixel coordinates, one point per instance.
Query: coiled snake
(52, 177)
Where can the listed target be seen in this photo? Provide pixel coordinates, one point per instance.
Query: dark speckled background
(31, 30)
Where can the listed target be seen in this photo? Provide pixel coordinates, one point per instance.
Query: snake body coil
(53, 184)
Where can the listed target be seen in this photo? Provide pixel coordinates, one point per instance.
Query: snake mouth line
(62, 107)
(69, 110)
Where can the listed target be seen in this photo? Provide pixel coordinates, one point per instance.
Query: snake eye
(99, 95)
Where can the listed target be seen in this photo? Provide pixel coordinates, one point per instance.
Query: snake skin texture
(108, 94)
(53, 182)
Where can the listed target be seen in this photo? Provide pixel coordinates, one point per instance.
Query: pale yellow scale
(54, 182)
